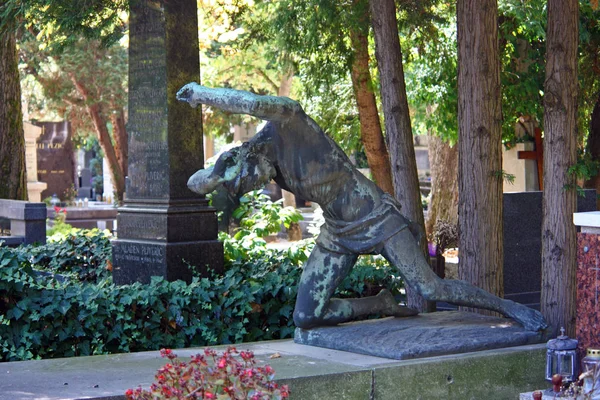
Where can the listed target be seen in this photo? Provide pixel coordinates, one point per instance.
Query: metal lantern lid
(593, 353)
(563, 342)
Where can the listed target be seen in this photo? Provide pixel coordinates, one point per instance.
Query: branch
(269, 80)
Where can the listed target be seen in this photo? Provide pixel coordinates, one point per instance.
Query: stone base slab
(424, 335)
(312, 373)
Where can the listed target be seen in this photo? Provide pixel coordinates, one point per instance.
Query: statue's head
(241, 170)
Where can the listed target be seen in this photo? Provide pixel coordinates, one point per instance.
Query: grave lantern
(561, 358)
(591, 373)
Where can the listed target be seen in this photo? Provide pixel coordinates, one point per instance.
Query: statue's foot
(392, 308)
(532, 320)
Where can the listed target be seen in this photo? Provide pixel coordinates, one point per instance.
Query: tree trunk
(104, 139)
(560, 152)
(443, 161)
(479, 146)
(108, 149)
(13, 181)
(397, 124)
(370, 126)
(120, 139)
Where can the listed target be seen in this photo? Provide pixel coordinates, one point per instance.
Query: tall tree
(13, 181)
(99, 19)
(443, 162)
(331, 39)
(397, 121)
(86, 82)
(479, 141)
(560, 153)
(364, 93)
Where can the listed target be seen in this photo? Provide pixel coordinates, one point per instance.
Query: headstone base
(139, 261)
(425, 335)
(165, 240)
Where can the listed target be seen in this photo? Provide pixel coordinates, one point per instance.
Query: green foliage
(259, 215)
(504, 176)
(522, 33)
(582, 171)
(431, 77)
(81, 312)
(64, 21)
(589, 65)
(78, 254)
(84, 74)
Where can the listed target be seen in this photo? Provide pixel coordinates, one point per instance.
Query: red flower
(129, 392)
(222, 363)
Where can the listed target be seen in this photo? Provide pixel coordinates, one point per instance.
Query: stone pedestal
(425, 335)
(525, 171)
(34, 187)
(588, 279)
(163, 227)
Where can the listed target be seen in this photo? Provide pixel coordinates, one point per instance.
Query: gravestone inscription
(163, 226)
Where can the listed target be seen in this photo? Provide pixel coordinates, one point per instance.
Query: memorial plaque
(55, 160)
(163, 225)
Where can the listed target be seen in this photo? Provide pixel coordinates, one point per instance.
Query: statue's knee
(304, 320)
(427, 290)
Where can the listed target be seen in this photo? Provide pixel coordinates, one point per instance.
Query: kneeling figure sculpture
(359, 217)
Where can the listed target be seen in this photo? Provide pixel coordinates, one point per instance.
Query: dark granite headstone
(55, 161)
(523, 243)
(163, 226)
(425, 335)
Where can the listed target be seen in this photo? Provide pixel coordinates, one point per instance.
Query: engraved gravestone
(163, 226)
(55, 160)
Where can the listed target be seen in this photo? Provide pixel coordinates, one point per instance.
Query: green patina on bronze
(359, 218)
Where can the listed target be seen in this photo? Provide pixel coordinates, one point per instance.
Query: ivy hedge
(58, 300)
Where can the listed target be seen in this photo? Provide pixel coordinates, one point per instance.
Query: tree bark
(443, 161)
(13, 181)
(120, 139)
(397, 124)
(479, 146)
(370, 125)
(560, 152)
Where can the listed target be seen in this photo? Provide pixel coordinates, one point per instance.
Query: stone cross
(163, 226)
(537, 154)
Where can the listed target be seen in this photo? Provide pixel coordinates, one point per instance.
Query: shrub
(212, 376)
(58, 300)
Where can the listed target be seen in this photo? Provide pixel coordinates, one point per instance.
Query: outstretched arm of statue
(270, 108)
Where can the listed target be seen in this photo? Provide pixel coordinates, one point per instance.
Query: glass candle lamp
(591, 374)
(561, 358)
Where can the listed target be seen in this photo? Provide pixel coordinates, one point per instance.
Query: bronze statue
(359, 217)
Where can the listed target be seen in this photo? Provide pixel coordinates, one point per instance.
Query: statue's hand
(186, 93)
